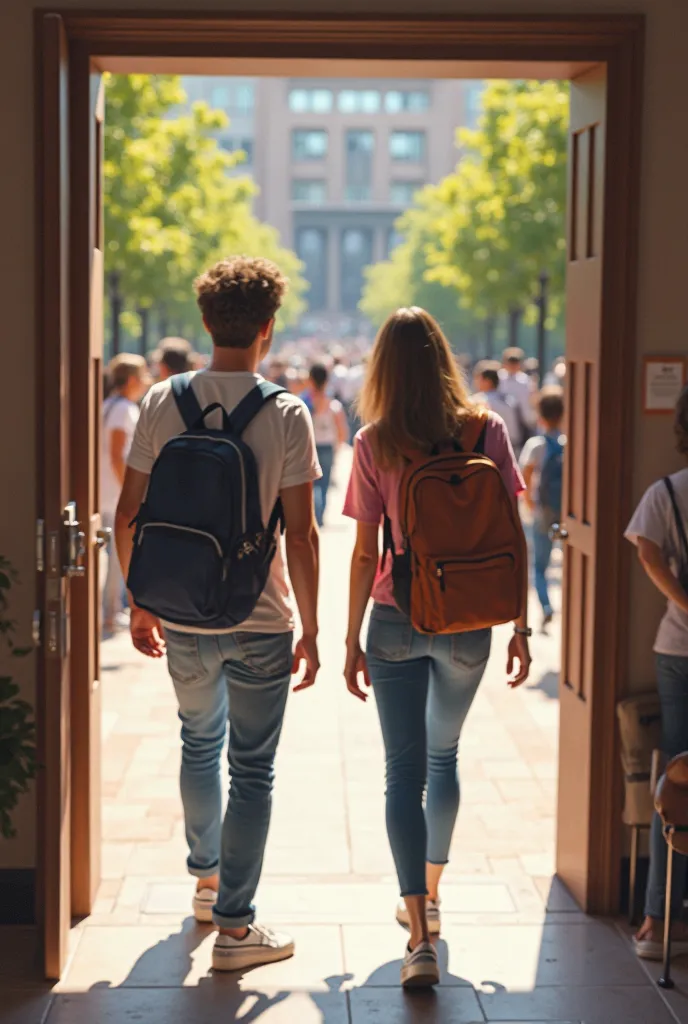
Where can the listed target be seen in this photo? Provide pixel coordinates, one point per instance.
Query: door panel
(54, 588)
(85, 401)
(582, 623)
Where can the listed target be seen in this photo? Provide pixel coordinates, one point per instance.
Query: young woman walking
(413, 401)
(331, 431)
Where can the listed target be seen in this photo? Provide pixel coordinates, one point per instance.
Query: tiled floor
(514, 947)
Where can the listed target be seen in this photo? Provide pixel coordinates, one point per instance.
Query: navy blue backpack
(551, 481)
(201, 552)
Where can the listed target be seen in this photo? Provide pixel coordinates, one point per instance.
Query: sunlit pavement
(514, 947)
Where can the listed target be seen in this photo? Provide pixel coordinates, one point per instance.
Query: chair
(640, 724)
(671, 802)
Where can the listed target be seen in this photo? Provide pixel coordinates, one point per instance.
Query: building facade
(355, 154)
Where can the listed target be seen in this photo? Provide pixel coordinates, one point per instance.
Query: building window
(235, 145)
(311, 248)
(356, 254)
(309, 144)
(401, 193)
(310, 101)
(360, 150)
(394, 239)
(359, 101)
(244, 99)
(407, 146)
(219, 97)
(304, 190)
(401, 99)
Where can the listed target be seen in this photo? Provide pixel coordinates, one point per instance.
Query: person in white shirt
(129, 380)
(490, 393)
(659, 529)
(517, 385)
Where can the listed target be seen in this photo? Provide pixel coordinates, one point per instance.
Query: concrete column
(333, 269)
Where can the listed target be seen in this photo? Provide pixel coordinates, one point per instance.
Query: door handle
(103, 537)
(75, 543)
(558, 532)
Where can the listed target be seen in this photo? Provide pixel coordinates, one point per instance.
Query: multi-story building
(337, 161)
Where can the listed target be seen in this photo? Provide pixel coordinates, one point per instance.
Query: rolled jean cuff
(438, 863)
(414, 892)
(240, 921)
(202, 872)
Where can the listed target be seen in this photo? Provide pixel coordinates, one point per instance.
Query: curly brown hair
(237, 297)
(681, 423)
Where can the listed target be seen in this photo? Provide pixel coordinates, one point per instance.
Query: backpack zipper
(439, 571)
(190, 529)
(225, 440)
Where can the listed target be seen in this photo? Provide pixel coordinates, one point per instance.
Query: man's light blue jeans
(672, 686)
(424, 687)
(542, 554)
(244, 677)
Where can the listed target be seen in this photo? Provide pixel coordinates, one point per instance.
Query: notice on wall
(664, 382)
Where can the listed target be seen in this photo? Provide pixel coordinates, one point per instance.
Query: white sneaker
(203, 902)
(261, 946)
(432, 913)
(420, 968)
(650, 949)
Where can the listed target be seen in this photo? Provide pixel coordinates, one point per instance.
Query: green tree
(403, 279)
(501, 214)
(171, 204)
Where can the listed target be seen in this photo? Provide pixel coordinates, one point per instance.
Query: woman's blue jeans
(672, 686)
(322, 486)
(424, 687)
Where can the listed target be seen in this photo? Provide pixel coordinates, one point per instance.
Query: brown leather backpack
(463, 565)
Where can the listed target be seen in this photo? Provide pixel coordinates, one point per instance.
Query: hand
(518, 651)
(146, 633)
(306, 650)
(356, 665)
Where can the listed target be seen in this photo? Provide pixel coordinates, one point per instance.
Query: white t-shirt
(520, 388)
(281, 437)
(118, 414)
(654, 520)
(506, 408)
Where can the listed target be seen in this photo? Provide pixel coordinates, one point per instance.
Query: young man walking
(243, 672)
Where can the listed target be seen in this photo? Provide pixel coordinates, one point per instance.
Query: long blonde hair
(414, 394)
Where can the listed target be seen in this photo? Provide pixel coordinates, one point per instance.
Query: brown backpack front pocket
(471, 593)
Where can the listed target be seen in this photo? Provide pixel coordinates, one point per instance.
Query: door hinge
(40, 545)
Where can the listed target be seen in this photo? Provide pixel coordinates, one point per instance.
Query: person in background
(331, 431)
(541, 462)
(658, 530)
(128, 380)
(516, 384)
(557, 375)
(172, 356)
(531, 368)
(487, 384)
(277, 373)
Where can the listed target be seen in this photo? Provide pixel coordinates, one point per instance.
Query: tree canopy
(171, 204)
(474, 245)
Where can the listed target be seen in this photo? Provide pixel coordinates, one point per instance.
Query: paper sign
(664, 382)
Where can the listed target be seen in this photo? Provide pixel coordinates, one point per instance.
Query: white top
(118, 414)
(654, 520)
(281, 437)
(506, 407)
(519, 386)
(325, 424)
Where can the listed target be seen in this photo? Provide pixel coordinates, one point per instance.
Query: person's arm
(657, 568)
(342, 425)
(519, 649)
(118, 444)
(146, 630)
(303, 561)
(529, 494)
(363, 569)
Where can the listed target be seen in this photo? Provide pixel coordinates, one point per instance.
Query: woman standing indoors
(442, 477)
(659, 529)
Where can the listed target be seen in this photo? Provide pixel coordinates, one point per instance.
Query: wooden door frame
(531, 45)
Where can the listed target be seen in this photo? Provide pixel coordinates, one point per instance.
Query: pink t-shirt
(372, 490)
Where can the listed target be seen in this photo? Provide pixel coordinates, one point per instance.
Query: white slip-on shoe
(650, 949)
(432, 913)
(203, 902)
(420, 968)
(261, 946)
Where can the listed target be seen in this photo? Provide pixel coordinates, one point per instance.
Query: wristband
(523, 632)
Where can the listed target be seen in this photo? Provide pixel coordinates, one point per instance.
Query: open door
(58, 540)
(581, 814)
(86, 268)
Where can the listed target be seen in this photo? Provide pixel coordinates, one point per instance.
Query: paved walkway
(514, 947)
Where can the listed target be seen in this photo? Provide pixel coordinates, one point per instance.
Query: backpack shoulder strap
(187, 403)
(251, 405)
(678, 518)
(473, 433)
